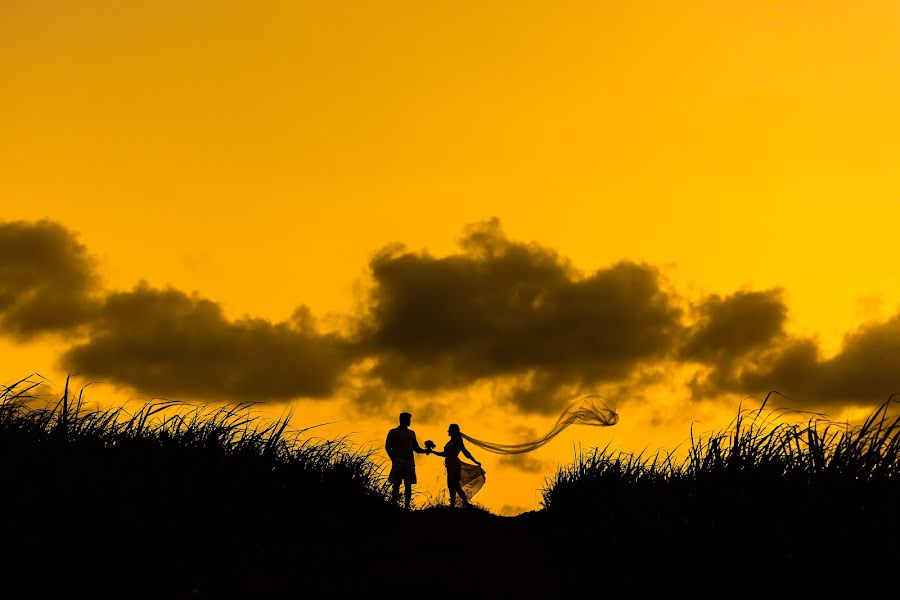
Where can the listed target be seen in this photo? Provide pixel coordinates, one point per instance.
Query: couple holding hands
(401, 445)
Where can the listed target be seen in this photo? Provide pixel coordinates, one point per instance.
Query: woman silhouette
(455, 465)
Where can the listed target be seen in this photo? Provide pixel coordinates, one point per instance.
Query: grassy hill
(192, 502)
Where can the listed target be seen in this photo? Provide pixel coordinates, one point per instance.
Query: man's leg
(407, 496)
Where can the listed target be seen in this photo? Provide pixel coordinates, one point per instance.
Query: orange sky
(261, 153)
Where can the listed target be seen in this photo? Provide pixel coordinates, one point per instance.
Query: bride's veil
(588, 410)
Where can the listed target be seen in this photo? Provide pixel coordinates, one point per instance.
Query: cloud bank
(497, 310)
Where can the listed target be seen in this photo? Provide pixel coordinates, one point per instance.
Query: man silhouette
(400, 445)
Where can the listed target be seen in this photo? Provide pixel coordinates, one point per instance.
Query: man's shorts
(402, 470)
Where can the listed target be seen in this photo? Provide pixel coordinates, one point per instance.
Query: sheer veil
(587, 410)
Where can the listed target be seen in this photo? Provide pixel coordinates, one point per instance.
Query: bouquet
(429, 445)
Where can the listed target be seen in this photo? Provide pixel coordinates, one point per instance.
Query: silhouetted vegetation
(814, 495)
(164, 495)
(179, 501)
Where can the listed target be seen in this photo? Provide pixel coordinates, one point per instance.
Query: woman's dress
(470, 477)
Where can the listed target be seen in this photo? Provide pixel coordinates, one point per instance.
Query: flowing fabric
(588, 410)
(471, 480)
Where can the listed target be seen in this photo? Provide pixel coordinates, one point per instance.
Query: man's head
(405, 419)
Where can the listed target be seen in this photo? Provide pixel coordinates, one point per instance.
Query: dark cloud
(742, 339)
(513, 313)
(502, 308)
(525, 463)
(166, 343)
(47, 279)
(728, 328)
(373, 399)
(865, 371)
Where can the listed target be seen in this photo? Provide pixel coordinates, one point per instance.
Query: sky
(472, 211)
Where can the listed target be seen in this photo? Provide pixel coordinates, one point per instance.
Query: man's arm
(416, 447)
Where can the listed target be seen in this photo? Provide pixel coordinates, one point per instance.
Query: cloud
(865, 371)
(742, 338)
(730, 327)
(47, 280)
(372, 398)
(166, 343)
(513, 314)
(501, 308)
(525, 463)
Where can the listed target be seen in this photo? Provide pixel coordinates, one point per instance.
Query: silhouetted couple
(401, 445)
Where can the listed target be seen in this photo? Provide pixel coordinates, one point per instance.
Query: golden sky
(674, 204)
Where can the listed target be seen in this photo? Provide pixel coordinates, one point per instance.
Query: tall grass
(763, 471)
(169, 437)
(170, 498)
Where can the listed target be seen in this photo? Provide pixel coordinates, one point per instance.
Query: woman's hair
(454, 429)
